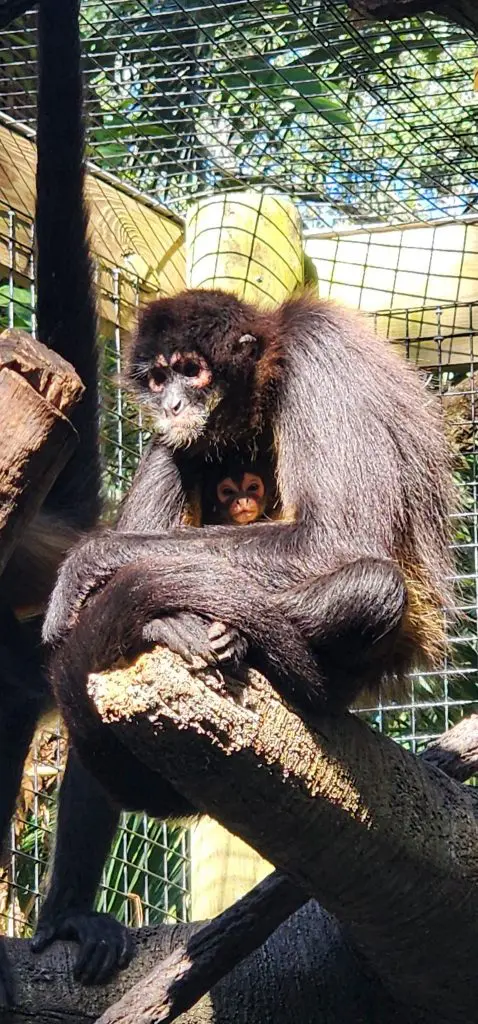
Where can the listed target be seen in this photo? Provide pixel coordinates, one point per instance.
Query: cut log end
(51, 376)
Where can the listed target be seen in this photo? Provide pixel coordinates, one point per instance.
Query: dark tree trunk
(304, 973)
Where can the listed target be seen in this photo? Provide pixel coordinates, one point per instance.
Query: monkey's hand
(193, 636)
(106, 946)
(228, 646)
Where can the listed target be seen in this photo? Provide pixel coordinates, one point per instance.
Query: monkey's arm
(157, 498)
(94, 561)
(276, 646)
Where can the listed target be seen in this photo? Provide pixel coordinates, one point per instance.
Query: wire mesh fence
(147, 877)
(361, 123)
(445, 338)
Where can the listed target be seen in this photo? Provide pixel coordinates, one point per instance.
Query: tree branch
(456, 752)
(308, 800)
(177, 983)
(305, 972)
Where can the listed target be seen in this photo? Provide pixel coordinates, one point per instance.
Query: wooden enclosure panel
(407, 269)
(144, 244)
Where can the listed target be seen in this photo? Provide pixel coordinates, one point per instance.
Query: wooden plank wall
(416, 269)
(144, 244)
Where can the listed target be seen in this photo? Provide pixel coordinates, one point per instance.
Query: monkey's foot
(227, 645)
(6, 980)
(185, 633)
(192, 636)
(106, 946)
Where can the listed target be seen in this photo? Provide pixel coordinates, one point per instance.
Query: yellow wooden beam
(245, 242)
(250, 244)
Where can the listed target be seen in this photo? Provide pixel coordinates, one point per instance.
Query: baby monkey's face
(241, 499)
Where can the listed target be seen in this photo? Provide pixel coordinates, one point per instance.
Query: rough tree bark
(37, 391)
(305, 798)
(306, 971)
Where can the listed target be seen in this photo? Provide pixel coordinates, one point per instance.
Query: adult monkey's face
(192, 365)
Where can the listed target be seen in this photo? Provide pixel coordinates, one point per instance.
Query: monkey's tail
(66, 312)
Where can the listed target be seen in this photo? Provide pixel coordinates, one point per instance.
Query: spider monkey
(66, 319)
(347, 593)
(238, 492)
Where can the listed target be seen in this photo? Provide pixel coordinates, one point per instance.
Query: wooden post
(250, 244)
(37, 391)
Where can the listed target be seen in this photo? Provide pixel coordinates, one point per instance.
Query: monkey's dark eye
(253, 487)
(188, 369)
(228, 492)
(156, 379)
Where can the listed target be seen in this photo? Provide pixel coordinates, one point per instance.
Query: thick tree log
(378, 855)
(461, 12)
(178, 982)
(456, 752)
(305, 972)
(37, 391)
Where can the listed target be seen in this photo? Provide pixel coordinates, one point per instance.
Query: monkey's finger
(126, 947)
(184, 633)
(162, 631)
(193, 634)
(108, 968)
(43, 938)
(87, 950)
(227, 639)
(230, 649)
(217, 630)
(102, 954)
(7, 988)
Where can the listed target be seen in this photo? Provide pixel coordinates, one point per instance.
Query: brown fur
(351, 592)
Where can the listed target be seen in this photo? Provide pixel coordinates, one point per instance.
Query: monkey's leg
(23, 698)
(87, 821)
(351, 618)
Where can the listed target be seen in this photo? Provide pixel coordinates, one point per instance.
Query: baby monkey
(239, 493)
(241, 500)
(236, 492)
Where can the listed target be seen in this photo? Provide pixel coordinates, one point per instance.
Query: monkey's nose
(174, 406)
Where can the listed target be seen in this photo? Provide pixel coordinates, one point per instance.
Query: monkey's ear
(250, 345)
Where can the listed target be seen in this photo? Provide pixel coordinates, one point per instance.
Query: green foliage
(195, 97)
(15, 306)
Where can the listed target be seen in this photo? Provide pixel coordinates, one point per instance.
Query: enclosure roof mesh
(361, 123)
